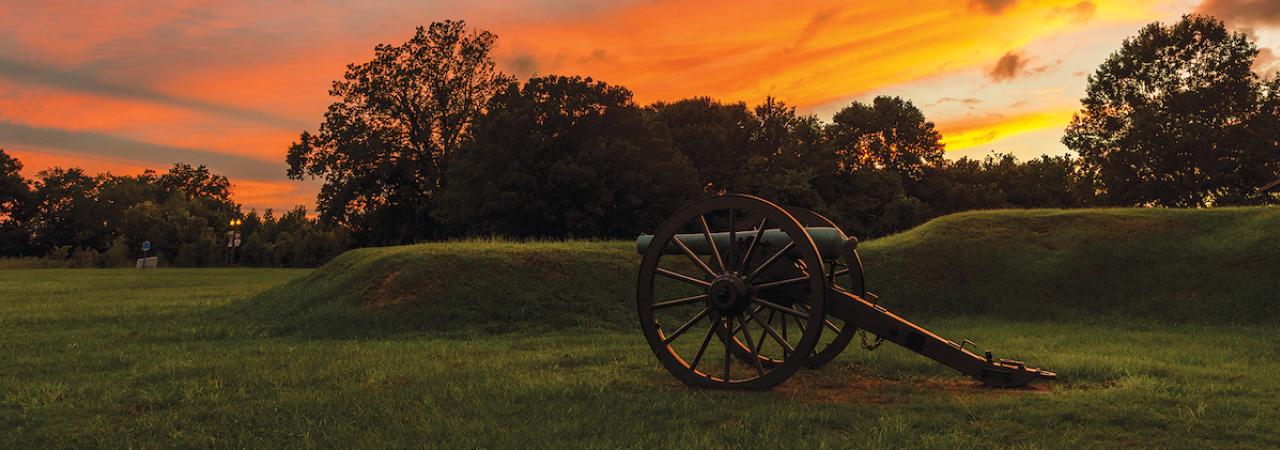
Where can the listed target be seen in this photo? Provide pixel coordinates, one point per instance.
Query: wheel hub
(729, 294)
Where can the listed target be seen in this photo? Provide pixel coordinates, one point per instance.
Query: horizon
(123, 88)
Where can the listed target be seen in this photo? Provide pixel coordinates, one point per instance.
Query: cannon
(736, 292)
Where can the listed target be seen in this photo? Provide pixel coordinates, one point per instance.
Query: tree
(201, 193)
(715, 137)
(890, 133)
(1166, 119)
(386, 143)
(67, 210)
(786, 154)
(1264, 146)
(15, 208)
(565, 156)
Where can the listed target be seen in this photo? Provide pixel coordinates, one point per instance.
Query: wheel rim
(718, 295)
(849, 278)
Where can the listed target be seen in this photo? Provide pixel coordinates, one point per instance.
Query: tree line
(68, 217)
(429, 140)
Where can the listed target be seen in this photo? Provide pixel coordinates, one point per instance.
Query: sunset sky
(124, 85)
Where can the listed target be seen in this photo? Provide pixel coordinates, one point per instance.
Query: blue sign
(146, 246)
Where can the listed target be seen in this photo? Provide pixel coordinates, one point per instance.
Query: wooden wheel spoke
(744, 323)
(786, 346)
(779, 308)
(841, 271)
(683, 328)
(760, 344)
(784, 336)
(755, 352)
(693, 256)
(733, 237)
(786, 282)
(826, 322)
(832, 326)
(680, 301)
(751, 248)
(728, 336)
(702, 349)
(771, 260)
(681, 277)
(711, 243)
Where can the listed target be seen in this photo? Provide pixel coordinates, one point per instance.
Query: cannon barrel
(831, 242)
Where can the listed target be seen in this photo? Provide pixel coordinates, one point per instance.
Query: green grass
(491, 344)
(1218, 266)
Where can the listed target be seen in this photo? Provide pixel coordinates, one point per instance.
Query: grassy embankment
(1160, 322)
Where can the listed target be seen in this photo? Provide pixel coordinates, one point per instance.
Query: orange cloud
(244, 78)
(969, 133)
(745, 51)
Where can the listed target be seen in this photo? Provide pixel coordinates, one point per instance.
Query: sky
(125, 85)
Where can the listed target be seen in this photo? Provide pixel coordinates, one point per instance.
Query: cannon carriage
(765, 291)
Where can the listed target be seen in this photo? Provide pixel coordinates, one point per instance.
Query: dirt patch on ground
(389, 291)
(548, 266)
(859, 390)
(852, 387)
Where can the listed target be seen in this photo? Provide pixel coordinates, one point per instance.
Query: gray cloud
(1008, 67)
(83, 82)
(524, 65)
(1079, 12)
(1243, 12)
(1267, 63)
(991, 6)
(968, 102)
(816, 23)
(1013, 65)
(99, 144)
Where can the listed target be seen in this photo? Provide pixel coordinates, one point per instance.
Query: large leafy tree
(889, 134)
(716, 137)
(15, 207)
(787, 153)
(565, 156)
(1169, 119)
(67, 211)
(386, 143)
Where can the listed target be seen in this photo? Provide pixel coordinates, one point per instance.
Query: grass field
(492, 344)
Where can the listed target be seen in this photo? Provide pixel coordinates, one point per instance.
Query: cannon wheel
(715, 292)
(845, 273)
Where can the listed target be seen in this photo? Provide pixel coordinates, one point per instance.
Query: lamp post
(233, 240)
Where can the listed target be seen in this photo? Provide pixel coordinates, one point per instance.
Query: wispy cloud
(1014, 64)
(183, 80)
(160, 155)
(991, 6)
(1243, 12)
(88, 84)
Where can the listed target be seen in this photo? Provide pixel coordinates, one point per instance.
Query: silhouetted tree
(386, 143)
(67, 210)
(1166, 119)
(1001, 181)
(787, 152)
(15, 208)
(1264, 145)
(890, 133)
(715, 137)
(565, 156)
